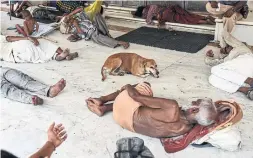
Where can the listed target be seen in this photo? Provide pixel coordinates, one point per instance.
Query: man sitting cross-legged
(15, 84)
(136, 109)
(81, 27)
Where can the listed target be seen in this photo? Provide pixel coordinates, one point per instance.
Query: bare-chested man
(136, 109)
(30, 24)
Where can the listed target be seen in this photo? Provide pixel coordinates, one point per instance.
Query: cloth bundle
(218, 134)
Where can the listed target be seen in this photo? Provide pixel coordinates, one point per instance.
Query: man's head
(150, 67)
(138, 12)
(26, 15)
(202, 111)
(65, 24)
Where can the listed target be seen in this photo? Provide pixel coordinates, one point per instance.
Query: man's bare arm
(78, 10)
(154, 102)
(18, 38)
(37, 27)
(112, 96)
(15, 38)
(45, 151)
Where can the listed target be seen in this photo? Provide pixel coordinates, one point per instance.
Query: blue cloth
(228, 2)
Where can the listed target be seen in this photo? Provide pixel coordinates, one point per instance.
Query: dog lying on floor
(130, 63)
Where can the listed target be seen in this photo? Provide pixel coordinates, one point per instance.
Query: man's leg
(10, 91)
(107, 41)
(230, 22)
(101, 25)
(99, 106)
(25, 82)
(20, 30)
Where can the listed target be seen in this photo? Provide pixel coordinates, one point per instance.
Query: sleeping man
(31, 50)
(136, 110)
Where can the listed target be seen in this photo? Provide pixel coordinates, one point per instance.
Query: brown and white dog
(131, 63)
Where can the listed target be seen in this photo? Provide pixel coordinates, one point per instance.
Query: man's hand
(56, 134)
(124, 87)
(229, 13)
(132, 92)
(34, 40)
(214, 4)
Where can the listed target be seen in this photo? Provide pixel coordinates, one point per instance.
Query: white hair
(206, 108)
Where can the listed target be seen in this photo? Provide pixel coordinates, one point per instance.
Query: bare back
(148, 121)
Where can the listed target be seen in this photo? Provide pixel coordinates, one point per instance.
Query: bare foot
(226, 50)
(57, 88)
(95, 108)
(37, 100)
(71, 56)
(96, 101)
(210, 53)
(124, 44)
(62, 55)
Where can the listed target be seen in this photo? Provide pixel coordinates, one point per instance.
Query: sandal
(71, 56)
(74, 38)
(250, 93)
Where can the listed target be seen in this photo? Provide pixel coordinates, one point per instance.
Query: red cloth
(171, 13)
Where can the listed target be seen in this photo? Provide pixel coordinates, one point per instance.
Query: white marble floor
(183, 77)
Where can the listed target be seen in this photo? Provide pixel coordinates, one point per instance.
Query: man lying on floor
(32, 50)
(236, 73)
(171, 13)
(136, 109)
(15, 86)
(81, 27)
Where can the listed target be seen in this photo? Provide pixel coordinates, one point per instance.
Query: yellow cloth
(124, 106)
(93, 9)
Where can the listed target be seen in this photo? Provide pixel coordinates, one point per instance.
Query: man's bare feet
(95, 107)
(96, 101)
(62, 55)
(37, 100)
(71, 56)
(57, 88)
(210, 53)
(124, 44)
(226, 50)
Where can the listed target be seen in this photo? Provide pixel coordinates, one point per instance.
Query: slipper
(11, 28)
(71, 56)
(74, 38)
(12, 14)
(250, 93)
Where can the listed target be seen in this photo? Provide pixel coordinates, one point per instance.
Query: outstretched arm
(46, 150)
(56, 135)
(152, 102)
(37, 27)
(18, 38)
(78, 10)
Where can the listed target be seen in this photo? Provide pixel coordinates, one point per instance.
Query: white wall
(250, 3)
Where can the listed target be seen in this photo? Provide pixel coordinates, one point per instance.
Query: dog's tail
(103, 73)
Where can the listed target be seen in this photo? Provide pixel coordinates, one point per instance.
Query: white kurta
(24, 51)
(231, 75)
